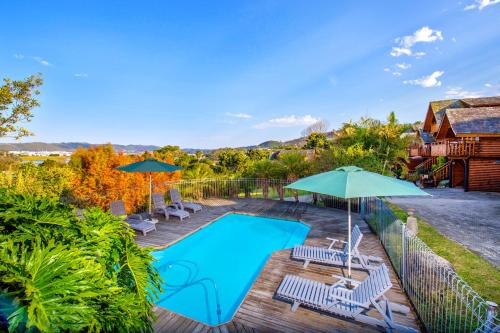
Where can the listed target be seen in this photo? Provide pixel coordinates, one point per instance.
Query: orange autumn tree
(97, 183)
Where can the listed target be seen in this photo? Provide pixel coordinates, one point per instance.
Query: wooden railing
(419, 150)
(414, 150)
(426, 165)
(462, 148)
(441, 173)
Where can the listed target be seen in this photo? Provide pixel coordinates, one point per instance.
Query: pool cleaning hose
(188, 283)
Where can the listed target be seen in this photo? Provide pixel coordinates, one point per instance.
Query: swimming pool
(208, 273)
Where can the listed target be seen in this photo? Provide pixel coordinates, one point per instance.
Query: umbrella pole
(150, 191)
(349, 237)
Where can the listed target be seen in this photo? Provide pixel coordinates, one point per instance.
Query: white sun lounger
(353, 303)
(331, 256)
(176, 200)
(161, 208)
(135, 221)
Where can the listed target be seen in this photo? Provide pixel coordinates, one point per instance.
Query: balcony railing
(462, 148)
(419, 150)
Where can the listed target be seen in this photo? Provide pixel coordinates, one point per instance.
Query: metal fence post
(491, 316)
(403, 253)
(362, 207)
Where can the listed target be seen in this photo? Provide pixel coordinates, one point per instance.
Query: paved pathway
(470, 218)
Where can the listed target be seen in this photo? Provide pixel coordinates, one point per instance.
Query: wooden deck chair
(353, 303)
(176, 200)
(161, 208)
(135, 221)
(331, 256)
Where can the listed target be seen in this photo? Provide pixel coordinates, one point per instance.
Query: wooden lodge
(459, 143)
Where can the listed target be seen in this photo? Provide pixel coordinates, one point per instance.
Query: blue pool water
(214, 268)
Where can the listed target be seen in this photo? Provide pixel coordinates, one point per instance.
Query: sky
(208, 74)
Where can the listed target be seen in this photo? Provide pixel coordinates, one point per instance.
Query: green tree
(257, 154)
(295, 164)
(233, 161)
(317, 141)
(62, 273)
(266, 169)
(50, 179)
(17, 101)
(175, 153)
(198, 171)
(9, 162)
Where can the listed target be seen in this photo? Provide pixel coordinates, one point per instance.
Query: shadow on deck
(260, 312)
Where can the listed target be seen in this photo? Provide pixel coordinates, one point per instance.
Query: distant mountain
(71, 146)
(195, 150)
(298, 143)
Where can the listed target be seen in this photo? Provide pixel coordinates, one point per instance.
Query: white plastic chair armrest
(344, 279)
(333, 241)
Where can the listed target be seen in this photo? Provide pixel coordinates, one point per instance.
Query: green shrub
(59, 272)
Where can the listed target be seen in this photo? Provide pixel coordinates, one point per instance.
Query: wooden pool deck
(260, 311)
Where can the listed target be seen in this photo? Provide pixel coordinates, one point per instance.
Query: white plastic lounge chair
(349, 303)
(176, 200)
(161, 208)
(331, 256)
(135, 221)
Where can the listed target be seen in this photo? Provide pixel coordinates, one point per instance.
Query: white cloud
(422, 35)
(288, 121)
(399, 51)
(81, 75)
(403, 65)
(458, 92)
(239, 115)
(481, 4)
(41, 61)
(396, 73)
(491, 89)
(387, 69)
(427, 81)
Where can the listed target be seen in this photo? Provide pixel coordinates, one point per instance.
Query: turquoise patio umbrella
(352, 182)
(149, 165)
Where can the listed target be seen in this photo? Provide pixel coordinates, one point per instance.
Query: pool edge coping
(162, 247)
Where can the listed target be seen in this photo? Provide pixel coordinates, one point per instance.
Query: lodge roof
(482, 101)
(485, 120)
(439, 107)
(426, 137)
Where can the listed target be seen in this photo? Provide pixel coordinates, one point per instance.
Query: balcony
(462, 148)
(419, 150)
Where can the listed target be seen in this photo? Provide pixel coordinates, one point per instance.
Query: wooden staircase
(424, 167)
(432, 178)
(441, 173)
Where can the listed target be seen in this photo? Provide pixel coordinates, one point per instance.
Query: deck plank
(260, 311)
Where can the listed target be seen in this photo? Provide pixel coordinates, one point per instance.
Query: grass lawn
(482, 276)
